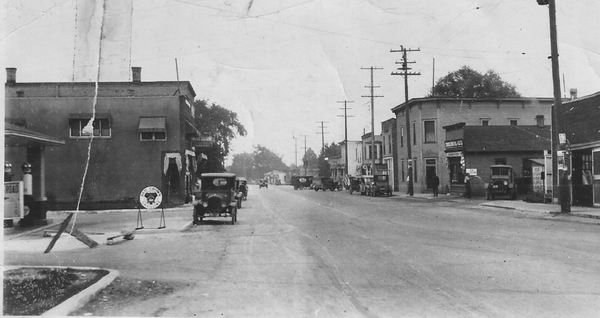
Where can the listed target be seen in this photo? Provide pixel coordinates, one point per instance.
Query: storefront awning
(20, 136)
(152, 124)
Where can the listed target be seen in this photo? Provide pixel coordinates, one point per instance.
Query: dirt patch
(121, 293)
(33, 291)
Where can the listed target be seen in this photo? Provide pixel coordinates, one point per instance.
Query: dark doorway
(430, 172)
(582, 178)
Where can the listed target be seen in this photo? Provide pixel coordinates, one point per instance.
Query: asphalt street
(332, 254)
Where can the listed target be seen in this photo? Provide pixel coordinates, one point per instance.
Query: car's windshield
(381, 178)
(500, 171)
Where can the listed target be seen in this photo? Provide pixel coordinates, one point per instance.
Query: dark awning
(152, 124)
(20, 136)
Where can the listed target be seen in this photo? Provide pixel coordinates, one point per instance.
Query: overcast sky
(282, 65)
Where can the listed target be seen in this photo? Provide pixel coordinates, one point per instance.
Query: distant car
(354, 184)
(381, 185)
(301, 182)
(502, 182)
(366, 185)
(217, 197)
(263, 184)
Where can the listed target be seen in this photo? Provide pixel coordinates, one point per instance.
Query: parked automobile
(354, 184)
(301, 182)
(324, 183)
(381, 185)
(217, 197)
(502, 182)
(241, 190)
(263, 184)
(366, 185)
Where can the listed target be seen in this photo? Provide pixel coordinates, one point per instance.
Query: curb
(572, 214)
(80, 299)
(174, 209)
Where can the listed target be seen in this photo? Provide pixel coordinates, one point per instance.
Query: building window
(153, 136)
(403, 178)
(513, 122)
(401, 136)
(429, 131)
(499, 161)
(414, 131)
(101, 128)
(153, 128)
(415, 169)
(539, 120)
(485, 121)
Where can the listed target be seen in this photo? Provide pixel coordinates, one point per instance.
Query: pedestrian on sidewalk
(468, 186)
(435, 183)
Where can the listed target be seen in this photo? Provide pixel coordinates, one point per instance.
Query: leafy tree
(328, 152)
(243, 165)
(265, 160)
(310, 160)
(468, 83)
(223, 125)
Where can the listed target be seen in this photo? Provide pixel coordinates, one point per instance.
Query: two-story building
(371, 152)
(141, 135)
(428, 116)
(390, 150)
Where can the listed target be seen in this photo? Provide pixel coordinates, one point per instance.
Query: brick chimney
(573, 92)
(11, 75)
(136, 74)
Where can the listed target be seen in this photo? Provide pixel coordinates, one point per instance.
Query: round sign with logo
(151, 197)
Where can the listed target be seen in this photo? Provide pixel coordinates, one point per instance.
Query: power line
(404, 70)
(346, 128)
(372, 96)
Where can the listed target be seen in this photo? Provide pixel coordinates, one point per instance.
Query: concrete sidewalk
(543, 208)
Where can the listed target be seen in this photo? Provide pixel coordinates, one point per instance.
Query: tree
(243, 165)
(310, 160)
(328, 152)
(265, 160)
(468, 83)
(223, 125)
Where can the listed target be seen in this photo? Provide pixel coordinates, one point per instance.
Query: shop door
(596, 176)
(582, 178)
(430, 171)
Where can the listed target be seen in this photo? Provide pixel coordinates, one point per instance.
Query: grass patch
(33, 291)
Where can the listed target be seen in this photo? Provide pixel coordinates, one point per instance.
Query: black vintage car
(217, 197)
(301, 182)
(381, 185)
(262, 183)
(354, 184)
(502, 182)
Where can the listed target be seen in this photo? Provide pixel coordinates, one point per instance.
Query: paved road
(331, 254)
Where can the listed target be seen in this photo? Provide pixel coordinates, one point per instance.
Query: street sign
(13, 200)
(150, 197)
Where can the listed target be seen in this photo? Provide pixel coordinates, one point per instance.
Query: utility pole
(322, 135)
(404, 70)
(372, 96)
(557, 123)
(304, 161)
(295, 151)
(346, 130)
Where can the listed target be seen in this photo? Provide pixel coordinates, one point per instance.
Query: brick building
(428, 116)
(143, 134)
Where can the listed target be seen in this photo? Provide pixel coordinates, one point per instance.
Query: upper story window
(101, 128)
(539, 120)
(429, 131)
(401, 136)
(513, 122)
(414, 133)
(153, 128)
(485, 121)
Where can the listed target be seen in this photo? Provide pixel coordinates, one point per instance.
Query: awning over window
(152, 124)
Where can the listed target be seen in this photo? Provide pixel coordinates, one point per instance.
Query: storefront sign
(150, 197)
(452, 145)
(13, 200)
(454, 154)
(472, 171)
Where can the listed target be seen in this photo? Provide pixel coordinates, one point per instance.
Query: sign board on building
(454, 154)
(150, 197)
(537, 181)
(13, 200)
(472, 171)
(453, 145)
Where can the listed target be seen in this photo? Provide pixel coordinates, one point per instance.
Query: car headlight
(205, 204)
(505, 182)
